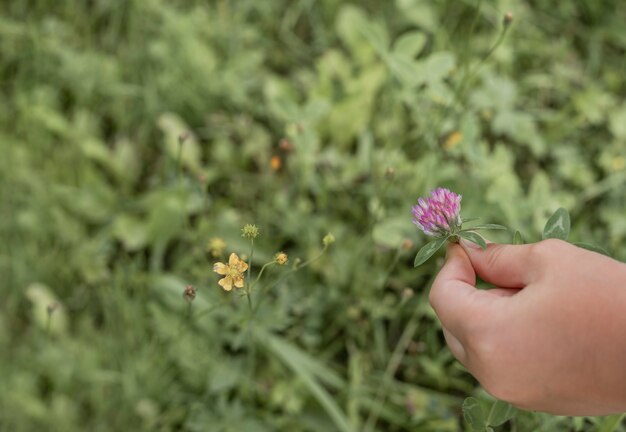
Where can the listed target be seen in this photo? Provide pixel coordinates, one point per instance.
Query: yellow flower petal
(220, 268)
(233, 260)
(226, 283)
(242, 267)
(239, 281)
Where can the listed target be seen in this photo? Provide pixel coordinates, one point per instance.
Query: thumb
(507, 266)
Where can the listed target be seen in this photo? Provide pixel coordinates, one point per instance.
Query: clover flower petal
(439, 213)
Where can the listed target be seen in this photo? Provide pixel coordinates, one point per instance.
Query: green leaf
(488, 227)
(611, 423)
(436, 67)
(310, 371)
(558, 225)
(474, 238)
(500, 413)
(474, 414)
(42, 297)
(592, 248)
(428, 250)
(392, 231)
(410, 44)
(465, 220)
(403, 68)
(517, 238)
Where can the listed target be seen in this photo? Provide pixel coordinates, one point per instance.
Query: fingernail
(469, 245)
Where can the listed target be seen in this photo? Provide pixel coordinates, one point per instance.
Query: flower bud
(508, 19)
(51, 308)
(190, 293)
(285, 145)
(183, 137)
(328, 240)
(281, 258)
(390, 173)
(250, 231)
(216, 246)
(275, 163)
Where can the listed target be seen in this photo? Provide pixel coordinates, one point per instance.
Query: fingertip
(455, 281)
(457, 265)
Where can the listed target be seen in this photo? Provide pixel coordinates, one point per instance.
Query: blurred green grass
(97, 216)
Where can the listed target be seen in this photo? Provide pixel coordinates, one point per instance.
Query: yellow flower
(618, 163)
(453, 140)
(233, 272)
(216, 246)
(281, 258)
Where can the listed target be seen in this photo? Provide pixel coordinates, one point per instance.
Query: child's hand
(551, 337)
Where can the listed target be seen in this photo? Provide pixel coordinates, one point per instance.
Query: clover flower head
(233, 272)
(439, 213)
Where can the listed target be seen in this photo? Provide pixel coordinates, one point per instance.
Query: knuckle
(549, 246)
(541, 252)
(494, 256)
(482, 345)
(434, 298)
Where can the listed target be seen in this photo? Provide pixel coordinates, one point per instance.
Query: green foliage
(428, 250)
(293, 113)
(558, 226)
(474, 238)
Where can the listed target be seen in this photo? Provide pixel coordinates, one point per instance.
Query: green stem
(179, 159)
(393, 264)
(261, 273)
(469, 76)
(392, 367)
(287, 274)
(211, 309)
(189, 310)
(248, 288)
(249, 300)
(315, 258)
(261, 295)
(250, 259)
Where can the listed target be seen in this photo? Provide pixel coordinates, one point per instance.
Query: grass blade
(309, 370)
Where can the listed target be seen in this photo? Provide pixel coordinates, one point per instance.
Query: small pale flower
(508, 19)
(216, 246)
(233, 272)
(438, 214)
(281, 258)
(328, 240)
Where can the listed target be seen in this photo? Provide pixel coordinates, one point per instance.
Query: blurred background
(303, 117)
